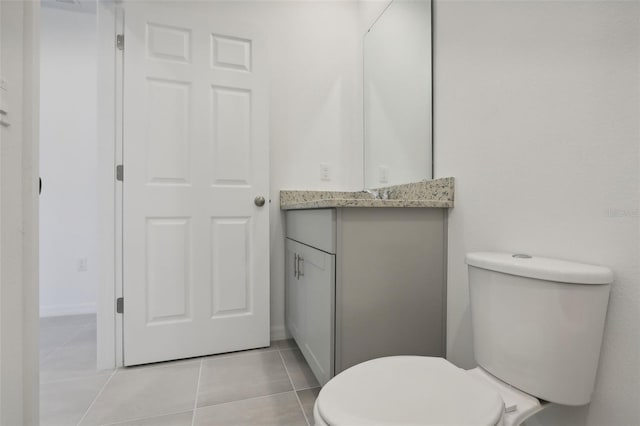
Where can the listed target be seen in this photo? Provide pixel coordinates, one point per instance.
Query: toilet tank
(538, 322)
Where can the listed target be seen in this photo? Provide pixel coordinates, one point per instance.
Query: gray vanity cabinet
(362, 283)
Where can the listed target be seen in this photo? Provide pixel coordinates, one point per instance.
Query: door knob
(259, 200)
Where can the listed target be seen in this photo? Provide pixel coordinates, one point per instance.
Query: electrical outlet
(383, 173)
(82, 264)
(325, 172)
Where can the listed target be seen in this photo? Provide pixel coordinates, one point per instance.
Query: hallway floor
(270, 386)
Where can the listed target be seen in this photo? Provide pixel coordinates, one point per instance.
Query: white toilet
(537, 329)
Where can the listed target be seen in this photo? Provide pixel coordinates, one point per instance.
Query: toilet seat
(408, 390)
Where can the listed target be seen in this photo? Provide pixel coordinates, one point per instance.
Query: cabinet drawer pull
(300, 273)
(295, 265)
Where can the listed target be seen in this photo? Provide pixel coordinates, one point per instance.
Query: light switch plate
(325, 172)
(383, 173)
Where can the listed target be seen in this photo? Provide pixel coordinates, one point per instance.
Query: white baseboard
(279, 332)
(62, 310)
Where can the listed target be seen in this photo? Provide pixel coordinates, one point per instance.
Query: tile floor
(270, 386)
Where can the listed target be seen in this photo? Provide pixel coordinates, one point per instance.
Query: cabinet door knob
(259, 200)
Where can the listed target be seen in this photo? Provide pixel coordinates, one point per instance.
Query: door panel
(195, 154)
(230, 281)
(230, 52)
(168, 270)
(168, 43)
(231, 122)
(168, 139)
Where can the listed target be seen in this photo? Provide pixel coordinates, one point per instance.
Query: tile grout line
(309, 388)
(294, 388)
(63, 346)
(65, 343)
(71, 379)
(245, 399)
(162, 364)
(133, 369)
(195, 404)
(97, 396)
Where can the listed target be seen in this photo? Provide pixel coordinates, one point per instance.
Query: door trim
(110, 20)
(19, 316)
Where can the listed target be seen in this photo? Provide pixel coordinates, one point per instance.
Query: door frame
(19, 349)
(110, 21)
(19, 310)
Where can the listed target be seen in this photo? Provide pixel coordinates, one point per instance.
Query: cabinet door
(317, 275)
(294, 301)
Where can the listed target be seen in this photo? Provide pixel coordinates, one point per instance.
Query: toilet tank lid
(541, 268)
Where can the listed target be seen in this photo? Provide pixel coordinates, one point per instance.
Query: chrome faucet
(383, 194)
(372, 192)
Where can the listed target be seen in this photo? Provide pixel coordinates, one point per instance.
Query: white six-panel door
(195, 155)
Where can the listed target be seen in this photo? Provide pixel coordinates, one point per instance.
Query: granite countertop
(436, 193)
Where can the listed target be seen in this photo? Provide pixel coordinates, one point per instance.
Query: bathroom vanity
(365, 277)
(365, 273)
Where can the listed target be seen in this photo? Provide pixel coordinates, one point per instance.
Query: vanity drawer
(316, 228)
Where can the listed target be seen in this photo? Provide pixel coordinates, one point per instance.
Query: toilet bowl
(537, 330)
(413, 390)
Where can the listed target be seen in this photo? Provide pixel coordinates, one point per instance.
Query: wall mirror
(397, 96)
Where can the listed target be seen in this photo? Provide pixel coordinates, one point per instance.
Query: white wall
(68, 162)
(536, 116)
(315, 107)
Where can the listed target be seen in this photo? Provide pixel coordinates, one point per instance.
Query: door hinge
(120, 41)
(120, 305)
(120, 172)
